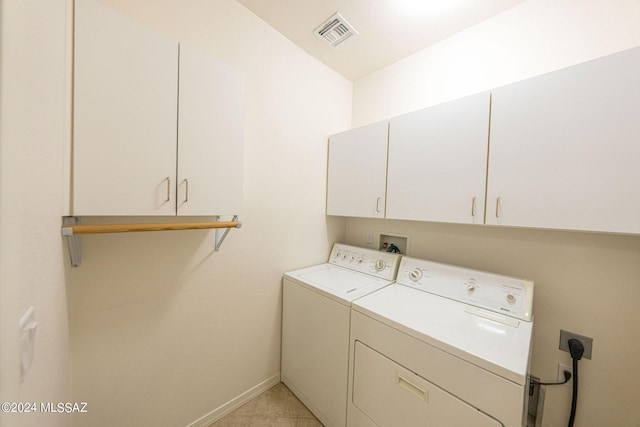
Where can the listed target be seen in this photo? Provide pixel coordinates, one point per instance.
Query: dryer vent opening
(335, 30)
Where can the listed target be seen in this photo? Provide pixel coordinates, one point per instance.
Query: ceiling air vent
(335, 30)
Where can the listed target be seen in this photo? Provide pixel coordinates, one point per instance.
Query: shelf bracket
(221, 235)
(73, 241)
(71, 229)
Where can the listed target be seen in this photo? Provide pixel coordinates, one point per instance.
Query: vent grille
(335, 30)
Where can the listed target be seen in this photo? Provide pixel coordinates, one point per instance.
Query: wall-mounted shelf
(71, 229)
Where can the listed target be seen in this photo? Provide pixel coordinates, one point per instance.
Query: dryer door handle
(412, 388)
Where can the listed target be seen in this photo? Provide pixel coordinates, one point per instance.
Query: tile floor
(276, 407)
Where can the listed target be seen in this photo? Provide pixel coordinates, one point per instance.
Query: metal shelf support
(71, 229)
(73, 241)
(221, 235)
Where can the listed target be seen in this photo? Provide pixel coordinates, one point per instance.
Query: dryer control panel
(505, 295)
(379, 264)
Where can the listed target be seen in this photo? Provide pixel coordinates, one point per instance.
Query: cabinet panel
(210, 136)
(564, 148)
(124, 131)
(357, 172)
(438, 162)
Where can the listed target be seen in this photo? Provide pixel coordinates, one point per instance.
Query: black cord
(535, 381)
(574, 394)
(577, 350)
(567, 377)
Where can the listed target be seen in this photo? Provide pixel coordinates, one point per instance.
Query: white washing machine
(445, 346)
(315, 325)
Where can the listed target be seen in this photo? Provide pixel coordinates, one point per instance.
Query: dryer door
(390, 395)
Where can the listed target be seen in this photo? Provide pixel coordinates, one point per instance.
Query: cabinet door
(565, 146)
(210, 135)
(438, 162)
(357, 172)
(124, 129)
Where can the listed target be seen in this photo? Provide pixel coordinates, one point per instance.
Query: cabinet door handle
(378, 204)
(473, 206)
(497, 206)
(186, 193)
(168, 189)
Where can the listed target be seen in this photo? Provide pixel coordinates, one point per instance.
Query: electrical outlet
(586, 342)
(561, 369)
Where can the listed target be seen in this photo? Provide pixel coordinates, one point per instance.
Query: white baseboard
(235, 403)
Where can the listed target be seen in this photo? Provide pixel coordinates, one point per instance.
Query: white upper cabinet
(563, 154)
(357, 172)
(210, 135)
(157, 128)
(125, 98)
(565, 148)
(438, 162)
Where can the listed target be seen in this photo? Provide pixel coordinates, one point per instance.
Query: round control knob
(471, 287)
(415, 274)
(380, 265)
(360, 260)
(511, 298)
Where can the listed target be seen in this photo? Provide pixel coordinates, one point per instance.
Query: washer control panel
(509, 296)
(380, 264)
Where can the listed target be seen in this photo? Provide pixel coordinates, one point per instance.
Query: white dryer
(445, 346)
(315, 325)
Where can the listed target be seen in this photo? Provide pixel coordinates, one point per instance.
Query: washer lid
(499, 347)
(338, 283)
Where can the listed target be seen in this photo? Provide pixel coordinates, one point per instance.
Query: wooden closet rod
(127, 228)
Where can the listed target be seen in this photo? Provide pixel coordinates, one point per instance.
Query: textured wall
(164, 329)
(32, 129)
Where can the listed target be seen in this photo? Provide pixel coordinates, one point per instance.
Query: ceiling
(388, 30)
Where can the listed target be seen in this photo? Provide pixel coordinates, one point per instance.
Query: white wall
(32, 128)
(164, 329)
(532, 38)
(585, 283)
